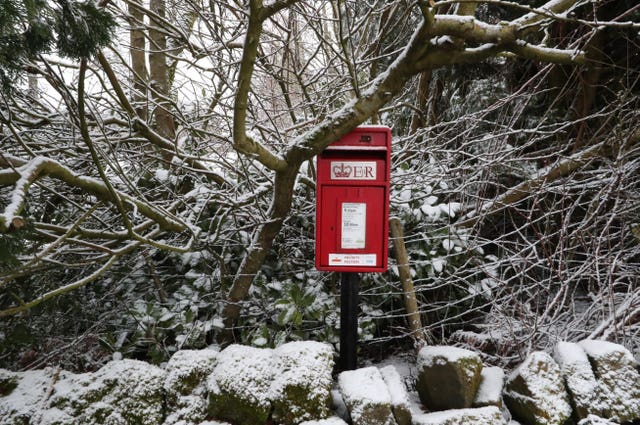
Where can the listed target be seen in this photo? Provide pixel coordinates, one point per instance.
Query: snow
(491, 386)
(596, 420)
(576, 370)
(244, 370)
(602, 349)
(364, 391)
(395, 386)
(440, 355)
(162, 175)
(334, 420)
(489, 415)
(27, 397)
(364, 384)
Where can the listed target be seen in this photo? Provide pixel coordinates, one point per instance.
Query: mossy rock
(240, 409)
(334, 420)
(301, 388)
(8, 382)
(122, 392)
(187, 369)
(185, 385)
(581, 382)
(240, 385)
(448, 377)
(489, 415)
(366, 396)
(596, 420)
(535, 392)
(27, 395)
(615, 370)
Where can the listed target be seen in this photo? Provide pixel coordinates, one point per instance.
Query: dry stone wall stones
(122, 391)
(400, 403)
(491, 387)
(239, 387)
(580, 380)
(535, 392)
(185, 385)
(448, 377)
(489, 415)
(596, 420)
(302, 384)
(615, 369)
(366, 396)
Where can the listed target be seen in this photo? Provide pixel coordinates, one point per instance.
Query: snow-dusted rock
(490, 389)
(366, 396)
(619, 381)
(579, 378)
(535, 393)
(8, 382)
(188, 369)
(596, 420)
(334, 420)
(185, 385)
(301, 388)
(121, 392)
(239, 387)
(448, 377)
(400, 403)
(22, 395)
(489, 415)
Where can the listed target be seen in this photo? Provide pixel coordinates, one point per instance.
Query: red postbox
(352, 202)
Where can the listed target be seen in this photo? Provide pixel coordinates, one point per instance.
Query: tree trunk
(138, 60)
(259, 248)
(159, 72)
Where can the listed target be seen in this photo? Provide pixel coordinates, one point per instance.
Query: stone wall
(590, 382)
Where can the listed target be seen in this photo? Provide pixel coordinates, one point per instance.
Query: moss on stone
(448, 382)
(238, 410)
(8, 382)
(535, 392)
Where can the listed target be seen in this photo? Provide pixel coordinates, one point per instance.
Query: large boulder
(448, 377)
(489, 415)
(121, 392)
(580, 380)
(185, 385)
(535, 393)
(400, 403)
(619, 381)
(239, 387)
(301, 388)
(490, 389)
(366, 396)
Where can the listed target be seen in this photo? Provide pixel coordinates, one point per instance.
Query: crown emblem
(342, 171)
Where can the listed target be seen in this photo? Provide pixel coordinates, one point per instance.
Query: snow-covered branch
(40, 167)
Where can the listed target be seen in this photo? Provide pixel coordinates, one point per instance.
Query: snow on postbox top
(352, 202)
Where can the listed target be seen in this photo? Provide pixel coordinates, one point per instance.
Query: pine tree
(29, 28)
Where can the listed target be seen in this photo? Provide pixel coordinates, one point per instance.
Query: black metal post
(349, 288)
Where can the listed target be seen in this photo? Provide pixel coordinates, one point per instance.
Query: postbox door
(351, 220)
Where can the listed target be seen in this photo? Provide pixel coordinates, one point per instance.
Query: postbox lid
(364, 138)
